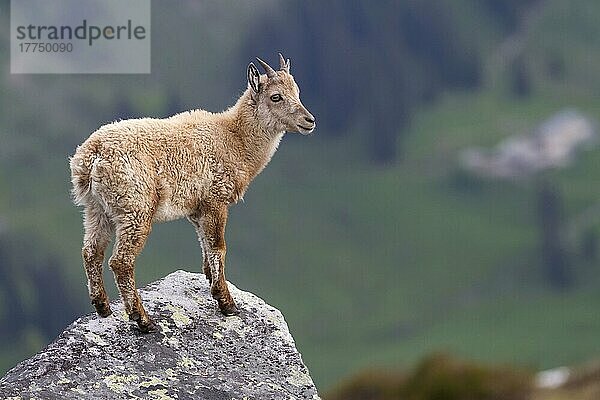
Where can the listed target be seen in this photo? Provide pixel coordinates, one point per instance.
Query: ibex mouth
(305, 130)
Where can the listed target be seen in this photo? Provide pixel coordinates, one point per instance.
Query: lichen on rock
(197, 353)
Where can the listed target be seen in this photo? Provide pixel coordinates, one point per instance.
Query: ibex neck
(256, 143)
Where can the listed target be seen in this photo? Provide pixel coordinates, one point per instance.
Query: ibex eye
(276, 97)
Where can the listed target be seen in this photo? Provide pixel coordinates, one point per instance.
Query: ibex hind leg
(131, 235)
(98, 229)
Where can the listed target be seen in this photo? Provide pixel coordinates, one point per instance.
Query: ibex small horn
(284, 64)
(270, 71)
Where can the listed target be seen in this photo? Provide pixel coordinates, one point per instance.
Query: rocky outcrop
(196, 354)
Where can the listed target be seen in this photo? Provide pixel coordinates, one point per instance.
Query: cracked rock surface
(197, 353)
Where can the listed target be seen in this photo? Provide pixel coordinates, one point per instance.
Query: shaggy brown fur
(132, 173)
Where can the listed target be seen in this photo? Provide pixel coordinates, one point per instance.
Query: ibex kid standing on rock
(132, 173)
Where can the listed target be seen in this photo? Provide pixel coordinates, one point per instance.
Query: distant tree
(173, 105)
(589, 245)
(508, 12)
(555, 65)
(554, 257)
(520, 80)
(123, 108)
(382, 145)
(382, 140)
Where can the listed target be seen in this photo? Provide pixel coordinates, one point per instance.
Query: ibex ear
(284, 64)
(253, 77)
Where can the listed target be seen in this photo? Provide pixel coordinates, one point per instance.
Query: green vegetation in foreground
(442, 376)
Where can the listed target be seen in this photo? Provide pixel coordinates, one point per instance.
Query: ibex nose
(310, 120)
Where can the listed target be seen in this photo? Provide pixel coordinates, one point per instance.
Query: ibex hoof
(228, 309)
(145, 326)
(102, 308)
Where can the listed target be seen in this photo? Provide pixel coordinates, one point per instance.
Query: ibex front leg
(210, 222)
(205, 260)
(195, 219)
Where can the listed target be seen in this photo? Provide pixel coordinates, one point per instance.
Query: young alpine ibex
(132, 173)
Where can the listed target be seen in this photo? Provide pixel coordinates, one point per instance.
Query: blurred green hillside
(368, 236)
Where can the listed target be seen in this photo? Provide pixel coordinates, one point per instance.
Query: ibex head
(277, 98)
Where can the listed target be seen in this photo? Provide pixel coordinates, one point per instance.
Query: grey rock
(554, 144)
(196, 354)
